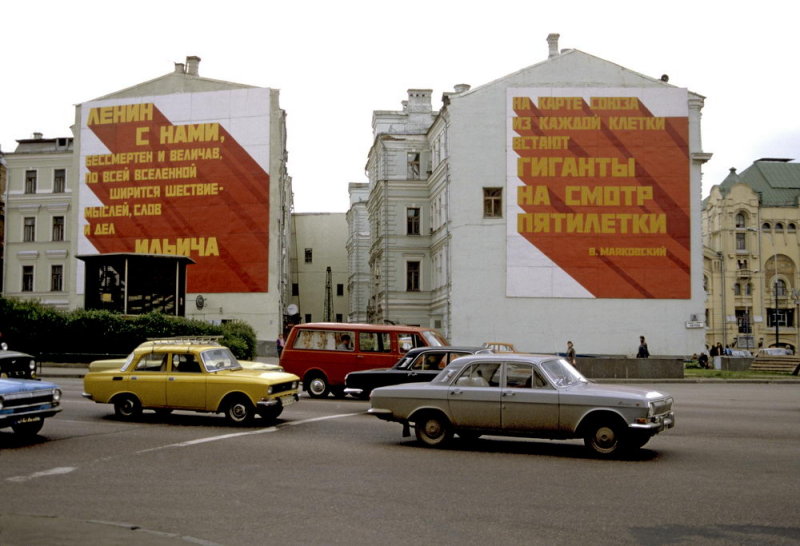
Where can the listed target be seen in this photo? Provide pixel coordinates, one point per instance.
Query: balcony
(744, 273)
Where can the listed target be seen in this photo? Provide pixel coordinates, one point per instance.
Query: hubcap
(433, 429)
(605, 438)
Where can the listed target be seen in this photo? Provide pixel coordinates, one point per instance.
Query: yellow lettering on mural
(578, 123)
(147, 209)
(521, 124)
(185, 246)
(122, 158)
(165, 173)
(192, 190)
(104, 229)
(193, 154)
(636, 123)
(563, 222)
(116, 176)
(615, 103)
(607, 196)
(135, 192)
(122, 113)
(533, 195)
(107, 211)
(657, 251)
(195, 132)
(521, 103)
(540, 143)
(560, 103)
(576, 167)
(142, 136)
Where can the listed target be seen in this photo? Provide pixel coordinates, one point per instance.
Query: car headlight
(56, 395)
(651, 411)
(1, 402)
(269, 389)
(295, 384)
(32, 365)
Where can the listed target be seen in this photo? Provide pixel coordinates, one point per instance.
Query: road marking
(246, 433)
(43, 474)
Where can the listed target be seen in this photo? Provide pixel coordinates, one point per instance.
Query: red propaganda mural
(599, 194)
(155, 186)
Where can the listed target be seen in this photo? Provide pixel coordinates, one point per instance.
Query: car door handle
(171, 378)
(508, 393)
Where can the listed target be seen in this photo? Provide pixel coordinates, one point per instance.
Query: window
(339, 317)
(791, 228)
(375, 342)
(780, 288)
(740, 220)
(484, 374)
(29, 229)
(783, 317)
(743, 321)
(295, 289)
(309, 256)
(741, 242)
(412, 221)
(412, 276)
(27, 278)
(737, 289)
(413, 165)
(766, 226)
(59, 180)
(492, 202)
(58, 228)
(152, 362)
(779, 226)
(57, 278)
(748, 289)
(30, 181)
(308, 317)
(340, 290)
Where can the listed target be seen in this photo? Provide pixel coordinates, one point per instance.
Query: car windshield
(404, 362)
(562, 373)
(433, 338)
(220, 359)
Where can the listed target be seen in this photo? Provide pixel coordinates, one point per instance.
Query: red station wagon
(323, 353)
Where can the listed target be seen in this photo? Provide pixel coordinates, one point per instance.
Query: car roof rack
(187, 340)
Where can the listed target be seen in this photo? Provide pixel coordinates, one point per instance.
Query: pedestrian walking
(643, 351)
(570, 353)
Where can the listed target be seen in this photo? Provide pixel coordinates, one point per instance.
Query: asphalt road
(329, 474)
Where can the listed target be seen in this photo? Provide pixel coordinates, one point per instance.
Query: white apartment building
(560, 202)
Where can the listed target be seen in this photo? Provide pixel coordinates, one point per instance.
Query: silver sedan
(538, 396)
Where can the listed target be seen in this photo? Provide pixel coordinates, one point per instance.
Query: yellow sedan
(185, 375)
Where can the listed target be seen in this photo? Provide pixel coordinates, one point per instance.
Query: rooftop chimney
(552, 41)
(180, 68)
(462, 87)
(37, 136)
(192, 64)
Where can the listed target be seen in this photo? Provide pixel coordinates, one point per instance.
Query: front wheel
(28, 429)
(239, 411)
(433, 430)
(317, 386)
(271, 413)
(604, 438)
(127, 406)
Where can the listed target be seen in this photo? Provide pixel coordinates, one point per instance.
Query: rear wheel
(317, 386)
(28, 429)
(433, 429)
(127, 406)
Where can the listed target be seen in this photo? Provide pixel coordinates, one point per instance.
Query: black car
(17, 365)
(417, 365)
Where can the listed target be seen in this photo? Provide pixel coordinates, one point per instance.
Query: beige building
(40, 222)
(319, 270)
(752, 257)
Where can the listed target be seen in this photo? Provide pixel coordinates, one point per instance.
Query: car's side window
(480, 374)
(152, 362)
(185, 363)
(374, 342)
(519, 375)
(432, 361)
(406, 342)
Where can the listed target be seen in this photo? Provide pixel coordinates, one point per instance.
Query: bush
(83, 335)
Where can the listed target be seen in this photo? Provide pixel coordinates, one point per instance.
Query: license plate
(33, 419)
(287, 400)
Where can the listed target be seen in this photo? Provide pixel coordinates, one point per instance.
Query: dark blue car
(25, 403)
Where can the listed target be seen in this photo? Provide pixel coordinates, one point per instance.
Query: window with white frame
(30, 181)
(56, 278)
(27, 278)
(59, 180)
(58, 228)
(412, 276)
(492, 202)
(412, 221)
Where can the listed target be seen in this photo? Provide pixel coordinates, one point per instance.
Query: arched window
(748, 289)
(779, 226)
(766, 226)
(741, 220)
(791, 228)
(737, 289)
(780, 288)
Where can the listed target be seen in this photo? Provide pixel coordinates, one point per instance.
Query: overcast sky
(336, 62)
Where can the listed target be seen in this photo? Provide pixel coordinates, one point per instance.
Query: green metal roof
(777, 180)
